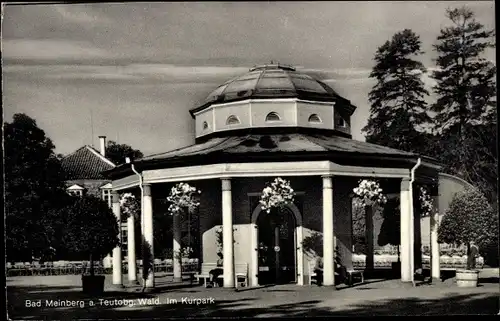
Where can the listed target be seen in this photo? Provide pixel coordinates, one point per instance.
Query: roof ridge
(74, 152)
(95, 152)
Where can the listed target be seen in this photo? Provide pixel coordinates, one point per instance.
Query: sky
(131, 71)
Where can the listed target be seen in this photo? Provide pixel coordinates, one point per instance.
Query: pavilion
(276, 121)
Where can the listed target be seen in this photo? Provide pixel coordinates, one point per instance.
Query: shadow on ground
(233, 304)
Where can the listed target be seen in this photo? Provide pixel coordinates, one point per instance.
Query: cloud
(50, 49)
(141, 73)
(337, 73)
(75, 14)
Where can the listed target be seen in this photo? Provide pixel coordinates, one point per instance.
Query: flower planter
(396, 268)
(93, 284)
(467, 278)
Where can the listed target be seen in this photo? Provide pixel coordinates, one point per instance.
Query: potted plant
(469, 221)
(91, 230)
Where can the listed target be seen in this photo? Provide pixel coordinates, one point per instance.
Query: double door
(277, 255)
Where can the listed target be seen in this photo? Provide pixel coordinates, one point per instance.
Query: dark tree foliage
(474, 158)
(91, 228)
(33, 189)
(466, 86)
(470, 218)
(397, 100)
(118, 152)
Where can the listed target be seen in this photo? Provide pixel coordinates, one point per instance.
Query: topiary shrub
(91, 228)
(470, 218)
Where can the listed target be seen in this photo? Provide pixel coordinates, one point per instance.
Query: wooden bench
(351, 273)
(240, 273)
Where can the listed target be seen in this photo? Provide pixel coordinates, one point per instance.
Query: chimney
(102, 142)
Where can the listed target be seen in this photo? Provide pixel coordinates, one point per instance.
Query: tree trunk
(91, 265)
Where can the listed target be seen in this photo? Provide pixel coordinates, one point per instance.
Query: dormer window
(272, 116)
(314, 118)
(75, 190)
(205, 125)
(232, 120)
(341, 122)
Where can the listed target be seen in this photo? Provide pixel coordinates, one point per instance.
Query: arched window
(314, 118)
(232, 120)
(205, 125)
(272, 116)
(341, 122)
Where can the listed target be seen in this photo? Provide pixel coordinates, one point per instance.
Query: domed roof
(271, 81)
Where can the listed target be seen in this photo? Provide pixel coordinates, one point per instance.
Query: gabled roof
(85, 163)
(106, 186)
(75, 187)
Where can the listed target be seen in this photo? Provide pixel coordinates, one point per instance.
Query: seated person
(318, 269)
(215, 273)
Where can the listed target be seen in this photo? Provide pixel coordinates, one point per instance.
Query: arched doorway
(277, 251)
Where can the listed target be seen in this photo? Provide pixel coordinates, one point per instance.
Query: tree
(481, 225)
(91, 228)
(465, 81)
(466, 103)
(118, 152)
(474, 157)
(397, 100)
(33, 188)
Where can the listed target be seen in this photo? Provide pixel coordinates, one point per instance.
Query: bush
(91, 228)
(470, 218)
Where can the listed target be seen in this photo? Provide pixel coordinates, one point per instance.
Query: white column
(406, 230)
(254, 269)
(300, 256)
(435, 255)
(117, 251)
(132, 263)
(148, 259)
(227, 234)
(176, 261)
(328, 234)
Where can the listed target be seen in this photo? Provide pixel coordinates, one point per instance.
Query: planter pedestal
(396, 269)
(93, 285)
(467, 278)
